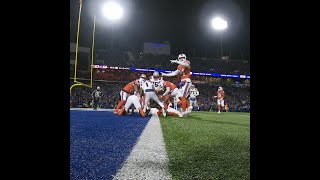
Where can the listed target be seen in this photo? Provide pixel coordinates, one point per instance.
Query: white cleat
(183, 114)
(218, 111)
(164, 112)
(187, 113)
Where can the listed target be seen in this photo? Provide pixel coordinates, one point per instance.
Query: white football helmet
(182, 57)
(98, 88)
(220, 88)
(192, 86)
(156, 74)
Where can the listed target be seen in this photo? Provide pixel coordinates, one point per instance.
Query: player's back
(196, 92)
(193, 93)
(148, 86)
(156, 82)
(130, 86)
(169, 84)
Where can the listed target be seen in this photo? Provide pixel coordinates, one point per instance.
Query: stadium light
(219, 24)
(112, 11)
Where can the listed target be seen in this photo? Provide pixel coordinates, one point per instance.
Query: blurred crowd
(199, 64)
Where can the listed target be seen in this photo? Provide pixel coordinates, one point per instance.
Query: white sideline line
(148, 158)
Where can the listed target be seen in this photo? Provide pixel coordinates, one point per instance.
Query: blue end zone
(100, 142)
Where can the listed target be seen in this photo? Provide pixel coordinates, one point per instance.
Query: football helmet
(182, 57)
(143, 76)
(156, 74)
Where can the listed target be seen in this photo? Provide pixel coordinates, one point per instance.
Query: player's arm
(214, 96)
(174, 73)
(181, 63)
(92, 94)
(142, 92)
(184, 64)
(135, 86)
(167, 91)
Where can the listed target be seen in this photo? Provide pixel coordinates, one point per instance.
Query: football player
(183, 69)
(220, 98)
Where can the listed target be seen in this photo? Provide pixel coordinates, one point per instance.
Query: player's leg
(174, 92)
(167, 98)
(146, 101)
(137, 105)
(123, 98)
(178, 101)
(174, 112)
(142, 99)
(175, 102)
(156, 99)
(183, 93)
(172, 95)
(196, 104)
(127, 105)
(190, 102)
(219, 105)
(95, 103)
(222, 103)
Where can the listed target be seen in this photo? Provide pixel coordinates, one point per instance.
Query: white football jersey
(194, 92)
(157, 82)
(147, 85)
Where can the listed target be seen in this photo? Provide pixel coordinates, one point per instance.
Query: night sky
(185, 24)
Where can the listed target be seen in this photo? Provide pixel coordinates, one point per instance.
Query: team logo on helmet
(182, 57)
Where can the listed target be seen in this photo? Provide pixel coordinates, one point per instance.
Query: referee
(96, 96)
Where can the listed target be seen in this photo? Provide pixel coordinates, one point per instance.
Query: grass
(208, 145)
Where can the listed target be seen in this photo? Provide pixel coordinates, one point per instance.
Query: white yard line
(148, 158)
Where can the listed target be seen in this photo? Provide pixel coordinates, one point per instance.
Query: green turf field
(208, 145)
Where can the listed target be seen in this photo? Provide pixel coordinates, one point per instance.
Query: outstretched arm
(174, 73)
(181, 63)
